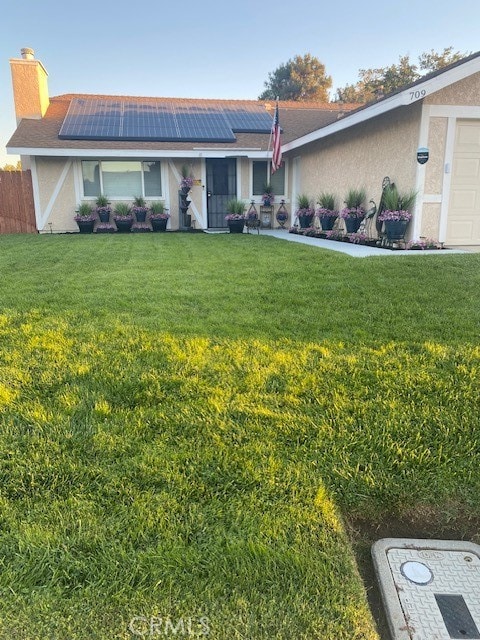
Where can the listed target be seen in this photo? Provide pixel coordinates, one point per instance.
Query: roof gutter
(414, 93)
(140, 153)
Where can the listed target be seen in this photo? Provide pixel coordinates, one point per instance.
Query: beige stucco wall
(30, 88)
(464, 92)
(48, 172)
(437, 136)
(430, 221)
(362, 156)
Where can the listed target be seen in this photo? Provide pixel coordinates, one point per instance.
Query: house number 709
(416, 95)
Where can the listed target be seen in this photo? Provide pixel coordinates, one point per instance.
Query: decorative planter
(141, 216)
(85, 226)
(266, 214)
(105, 227)
(104, 216)
(140, 227)
(305, 221)
(353, 224)
(159, 225)
(327, 222)
(124, 224)
(396, 229)
(236, 226)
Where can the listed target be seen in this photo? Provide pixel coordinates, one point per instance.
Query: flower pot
(104, 216)
(105, 227)
(159, 225)
(305, 221)
(124, 225)
(85, 226)
(396, 229)
(327, 222)
(353, 224)
(236, 226)
(141, 216)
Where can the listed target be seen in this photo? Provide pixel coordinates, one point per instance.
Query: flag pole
(271, 129)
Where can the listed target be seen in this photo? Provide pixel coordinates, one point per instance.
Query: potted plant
(354, 211)
(396, 214)
(235, 215)
(85, 218)
(268, 196)
(186, 183)
(158, 216)
(326, 212)
(305, 211)
(123, 217)
(103, 208)
(139, 208)
(105, 227)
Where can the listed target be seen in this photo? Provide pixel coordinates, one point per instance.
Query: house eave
(410, 95)
(140, 153)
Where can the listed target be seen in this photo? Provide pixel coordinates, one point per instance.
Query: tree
(375, 82)
(302, 78)
(12, 167)
(433, 61)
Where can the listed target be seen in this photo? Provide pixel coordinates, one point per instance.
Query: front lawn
(188, 421)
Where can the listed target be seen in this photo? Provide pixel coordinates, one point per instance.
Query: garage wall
(362, 156)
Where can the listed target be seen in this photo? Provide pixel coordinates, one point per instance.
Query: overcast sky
(213, 49)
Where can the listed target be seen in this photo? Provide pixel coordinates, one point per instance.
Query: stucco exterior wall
(464, 92)
(430, 220)
(362, 156)
(30, 88)
(55, 214)
(437, 136)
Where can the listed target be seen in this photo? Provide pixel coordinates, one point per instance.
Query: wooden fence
(17, 210)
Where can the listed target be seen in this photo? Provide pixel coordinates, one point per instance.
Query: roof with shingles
(296, 119)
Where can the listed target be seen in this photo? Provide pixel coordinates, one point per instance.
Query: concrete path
(355, 250)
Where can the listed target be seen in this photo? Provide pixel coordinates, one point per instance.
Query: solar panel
(117, 119)
(248, 119)
(203, 124)
(92, 119)
(149, 121)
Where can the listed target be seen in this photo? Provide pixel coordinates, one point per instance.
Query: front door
(221, 187)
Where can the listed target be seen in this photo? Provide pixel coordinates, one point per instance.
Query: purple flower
(352, 212)
(186, 183)
(321, 212)
(395, 216)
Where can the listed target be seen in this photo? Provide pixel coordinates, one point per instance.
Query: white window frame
(278, 196)
(161, 196)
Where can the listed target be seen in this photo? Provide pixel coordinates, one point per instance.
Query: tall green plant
(304, 202)
(326, 200)
(394, 200)
(355, 198)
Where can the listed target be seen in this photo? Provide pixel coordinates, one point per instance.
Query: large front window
(122, 178)
(261, 177)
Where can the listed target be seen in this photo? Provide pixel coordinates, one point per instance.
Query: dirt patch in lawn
(424, 523)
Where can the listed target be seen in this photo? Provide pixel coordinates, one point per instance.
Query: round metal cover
(416, 572)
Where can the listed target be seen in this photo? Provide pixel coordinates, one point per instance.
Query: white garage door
(463, 225)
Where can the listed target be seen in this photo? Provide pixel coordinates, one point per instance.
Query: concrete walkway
(355, 250)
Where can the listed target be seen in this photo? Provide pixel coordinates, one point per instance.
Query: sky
(216, 48)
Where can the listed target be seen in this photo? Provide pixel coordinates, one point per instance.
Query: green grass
(186, 420)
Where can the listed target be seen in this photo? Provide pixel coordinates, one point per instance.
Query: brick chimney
(30, 88)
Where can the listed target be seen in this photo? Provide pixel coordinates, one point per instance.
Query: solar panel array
(101, 119)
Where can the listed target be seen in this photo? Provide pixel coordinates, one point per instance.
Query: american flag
(277, 146)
